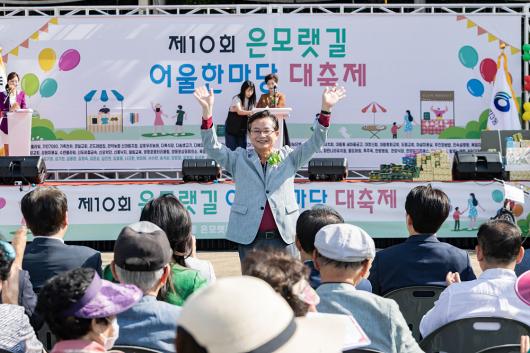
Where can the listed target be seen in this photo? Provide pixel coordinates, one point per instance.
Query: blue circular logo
(502, 102)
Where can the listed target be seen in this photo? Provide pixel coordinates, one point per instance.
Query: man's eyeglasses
(265, 132)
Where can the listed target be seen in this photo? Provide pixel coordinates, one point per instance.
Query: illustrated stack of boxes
(434, 166)
(518, 157)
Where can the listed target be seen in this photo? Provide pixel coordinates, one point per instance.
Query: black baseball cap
(142, 246)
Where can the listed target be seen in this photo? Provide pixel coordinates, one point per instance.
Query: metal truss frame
(521, 9)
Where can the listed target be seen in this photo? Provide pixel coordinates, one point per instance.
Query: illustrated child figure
(394, 130)
(456, 217)
(158, 125)
(180, 116)
(439, 112)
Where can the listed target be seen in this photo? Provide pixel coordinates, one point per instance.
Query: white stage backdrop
(94, 81)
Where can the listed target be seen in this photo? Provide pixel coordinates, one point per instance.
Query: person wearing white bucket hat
(245, 315)
(343, 254)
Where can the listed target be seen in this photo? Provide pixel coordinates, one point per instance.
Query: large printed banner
(99, 213)
(116, 92)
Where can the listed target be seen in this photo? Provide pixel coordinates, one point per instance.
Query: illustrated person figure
(236, 121)
(472, 204)
(274, 99)
(394, 129)
(456, 218)
(264, 211)
(408, 120)
(10, 100)
(439, 112)
(104, 115)
(180, 116)
(158, 125)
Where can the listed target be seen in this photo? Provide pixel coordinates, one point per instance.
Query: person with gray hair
(141, 257)
(344, 254)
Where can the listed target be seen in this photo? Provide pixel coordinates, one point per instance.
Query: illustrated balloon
(475, 87)
(517, 210)
(468, 56)
(497, 195)
(30, 84)
(2, 202)
(47, 59)
(48, 87)
(488, 69)
(69, 60)
(526, 116)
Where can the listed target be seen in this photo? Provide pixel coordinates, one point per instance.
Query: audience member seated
(16, 335)
(244, 314)
(308, 224)
(344, 254)
(524, 265)
(286, 275)
(522, 288)
(45, 212)
(493, 293)
(80, 309)
(187, 271)
(26, 296)
(422, 259)
(141, 257)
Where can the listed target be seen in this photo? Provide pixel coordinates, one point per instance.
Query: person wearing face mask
(80, 309)
(264, 211)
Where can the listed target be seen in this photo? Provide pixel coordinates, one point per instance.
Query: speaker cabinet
(477, 166)
(327, 169)
(201, 170)
(27, 170)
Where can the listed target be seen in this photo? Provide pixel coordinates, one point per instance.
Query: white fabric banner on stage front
(95, 81)
(97, 212)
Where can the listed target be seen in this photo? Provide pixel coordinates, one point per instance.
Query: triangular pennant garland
(482, 30)
(34, 36)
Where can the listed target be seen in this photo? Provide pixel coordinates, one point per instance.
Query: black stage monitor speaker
(327, 169)
(27, 170)
(477, 166)
(201, 170)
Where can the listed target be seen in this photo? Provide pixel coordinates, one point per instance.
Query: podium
(281, 114)
(19, 132)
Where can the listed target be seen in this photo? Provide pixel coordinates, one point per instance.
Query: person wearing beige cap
(245, 315)
(343, 254)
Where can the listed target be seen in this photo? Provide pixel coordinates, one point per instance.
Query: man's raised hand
(331, 96)
(205, 99)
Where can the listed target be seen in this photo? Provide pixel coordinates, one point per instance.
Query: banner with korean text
(115, 92)
(98, 212)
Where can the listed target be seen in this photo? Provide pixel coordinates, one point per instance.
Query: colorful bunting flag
(25, 43)
(491, 37)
